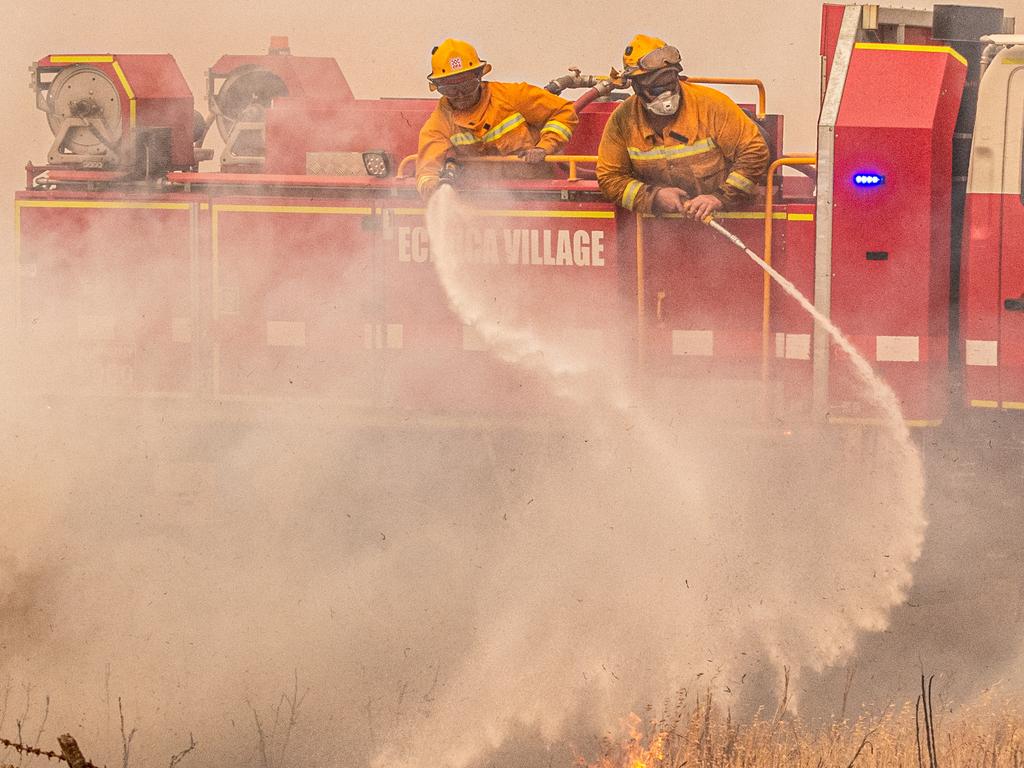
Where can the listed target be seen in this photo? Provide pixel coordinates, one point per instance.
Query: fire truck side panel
(980, 315)
(162, 99)
(434, 341)
(107, 292)
(549, 278)
(703, 298)
(792, 329)
(891, 221)
(296, 304)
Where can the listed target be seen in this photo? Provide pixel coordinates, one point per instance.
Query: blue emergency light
(868, 179)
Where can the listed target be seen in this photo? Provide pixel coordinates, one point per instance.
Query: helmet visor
(462, 84)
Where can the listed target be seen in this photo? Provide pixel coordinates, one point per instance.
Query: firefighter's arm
(745, 151)
(434, 146)
(615, 171)
(553, 115)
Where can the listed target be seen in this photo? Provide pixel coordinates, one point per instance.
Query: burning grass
(703, 735)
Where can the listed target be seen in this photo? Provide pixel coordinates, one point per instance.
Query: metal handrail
(762, 96)
(572, 160)
(400, 173)
(769, 202)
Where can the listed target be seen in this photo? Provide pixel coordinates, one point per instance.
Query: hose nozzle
(449, 173)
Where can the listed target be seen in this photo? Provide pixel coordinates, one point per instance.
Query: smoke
(655, 549)
(393, 589)
(419, 592)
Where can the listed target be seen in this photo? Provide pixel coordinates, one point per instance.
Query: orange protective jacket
(509, 117)
(710, 147)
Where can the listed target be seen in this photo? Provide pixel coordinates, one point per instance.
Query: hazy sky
(383, 47)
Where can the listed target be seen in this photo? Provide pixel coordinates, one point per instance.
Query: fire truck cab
(993, 263)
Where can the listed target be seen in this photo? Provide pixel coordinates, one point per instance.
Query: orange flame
(639, 750)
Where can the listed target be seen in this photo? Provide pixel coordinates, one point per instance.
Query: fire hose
(861, 365)
(709, 220)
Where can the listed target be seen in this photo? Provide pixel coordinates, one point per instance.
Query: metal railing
(762, 96)
(769, 203)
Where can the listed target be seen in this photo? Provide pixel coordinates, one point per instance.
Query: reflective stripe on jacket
(710, 147)
(508, 118)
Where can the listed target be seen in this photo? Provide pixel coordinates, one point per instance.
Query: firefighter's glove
(533, 154)
(701, 207)
(670, 200)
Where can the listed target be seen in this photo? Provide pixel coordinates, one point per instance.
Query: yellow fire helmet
(646, 54)
(454, 57)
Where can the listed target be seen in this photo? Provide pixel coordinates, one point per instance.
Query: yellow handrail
(400, 173)
(769, 202)
(762, 96)
(572, 160)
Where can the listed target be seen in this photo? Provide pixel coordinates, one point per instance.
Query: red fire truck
(300, 270)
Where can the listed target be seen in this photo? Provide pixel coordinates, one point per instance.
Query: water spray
(790, 288)
(881, 391)
(653, 495)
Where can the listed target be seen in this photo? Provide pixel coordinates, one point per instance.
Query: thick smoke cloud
(453, 594)
(660, 552)
(425, 593)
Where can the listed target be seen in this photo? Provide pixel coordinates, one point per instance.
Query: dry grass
(702, 736)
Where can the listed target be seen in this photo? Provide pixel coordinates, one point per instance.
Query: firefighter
(675, 147)
(476, 118)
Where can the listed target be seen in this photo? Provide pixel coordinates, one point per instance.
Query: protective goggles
(458, 85)
(659, 58)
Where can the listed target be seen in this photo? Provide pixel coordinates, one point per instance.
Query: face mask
(664, 104)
